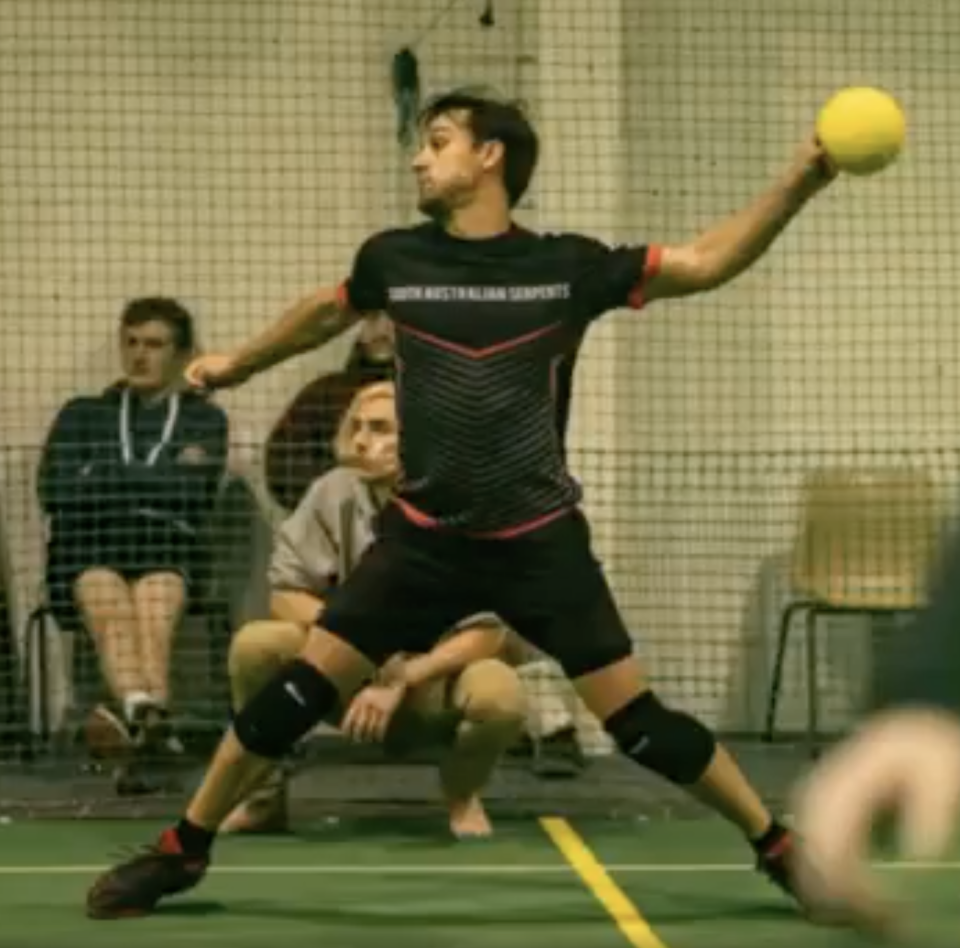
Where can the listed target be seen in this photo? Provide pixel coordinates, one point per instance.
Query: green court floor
(401, 883)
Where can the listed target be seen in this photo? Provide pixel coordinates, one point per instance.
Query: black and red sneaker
(774, 858)
(133, 888)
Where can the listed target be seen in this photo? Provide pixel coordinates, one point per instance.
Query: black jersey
(487, 336)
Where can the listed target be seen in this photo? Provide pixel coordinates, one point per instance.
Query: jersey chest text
(479, 316)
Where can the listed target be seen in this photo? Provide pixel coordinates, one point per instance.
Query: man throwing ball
(489, 319)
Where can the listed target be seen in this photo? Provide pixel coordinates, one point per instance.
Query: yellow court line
(596, 878)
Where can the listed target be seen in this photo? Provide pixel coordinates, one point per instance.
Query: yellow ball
(862, 130)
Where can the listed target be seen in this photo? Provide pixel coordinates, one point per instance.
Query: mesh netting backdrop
(234, 153)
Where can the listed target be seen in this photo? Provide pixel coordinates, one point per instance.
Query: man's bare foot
(469, 820)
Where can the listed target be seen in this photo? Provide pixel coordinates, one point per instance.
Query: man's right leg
(257, 653)
(327, 671)
(398, 586)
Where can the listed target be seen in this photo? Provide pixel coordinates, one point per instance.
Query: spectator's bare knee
(159, 599)
(103, 595)
(490, 693)
(260, 644)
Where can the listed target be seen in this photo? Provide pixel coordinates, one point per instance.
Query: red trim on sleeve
(651, 267)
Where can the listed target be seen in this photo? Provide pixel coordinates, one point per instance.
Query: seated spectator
(300, 448)
(127, 479)
(461, 696)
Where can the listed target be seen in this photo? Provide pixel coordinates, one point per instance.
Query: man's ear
(491, 154)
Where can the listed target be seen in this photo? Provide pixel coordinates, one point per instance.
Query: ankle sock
(194, 840)
(768, 839)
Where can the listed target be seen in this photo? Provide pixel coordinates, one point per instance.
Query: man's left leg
(674, 745)
(671, 743)
(560, 602)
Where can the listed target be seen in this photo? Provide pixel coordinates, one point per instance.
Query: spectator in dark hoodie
(300, 447)
(127, 479)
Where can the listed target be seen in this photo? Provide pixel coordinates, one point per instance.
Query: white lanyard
(126, 440)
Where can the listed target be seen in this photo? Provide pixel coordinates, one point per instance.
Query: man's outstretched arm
(732, 246)
(308, 324)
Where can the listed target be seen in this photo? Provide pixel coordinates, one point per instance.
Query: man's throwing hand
(209, 372)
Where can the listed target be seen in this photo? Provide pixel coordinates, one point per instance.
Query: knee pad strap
(670, 743)
(284, 710)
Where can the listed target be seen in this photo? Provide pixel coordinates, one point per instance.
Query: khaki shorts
(429, 716)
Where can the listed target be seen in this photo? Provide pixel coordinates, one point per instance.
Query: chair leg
(36, 662)
(219, 633)
(813, 701)
(15, 742)
(776, 681)
(43, 665)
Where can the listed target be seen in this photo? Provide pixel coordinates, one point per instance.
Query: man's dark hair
(494, 120)
(161, 309)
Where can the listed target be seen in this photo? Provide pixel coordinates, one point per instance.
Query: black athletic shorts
(132, 550)
(413, 584)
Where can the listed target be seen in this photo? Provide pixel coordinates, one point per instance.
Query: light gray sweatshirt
(320, 543)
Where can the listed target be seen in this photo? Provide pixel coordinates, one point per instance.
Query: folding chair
(865, 541)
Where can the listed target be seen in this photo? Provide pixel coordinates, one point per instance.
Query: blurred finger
(375, 735)
(195, 376)
(351, 721)
(929, 815)
(931, 790)
(906, 763)
(347, 727)
(826, 167)
(383, 722)
(822, 163)
(834, 814)
(367, 725)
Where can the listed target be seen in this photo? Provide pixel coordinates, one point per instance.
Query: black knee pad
(285, 709)
(670, 743)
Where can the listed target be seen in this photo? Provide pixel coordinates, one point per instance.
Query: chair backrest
(867, 536)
